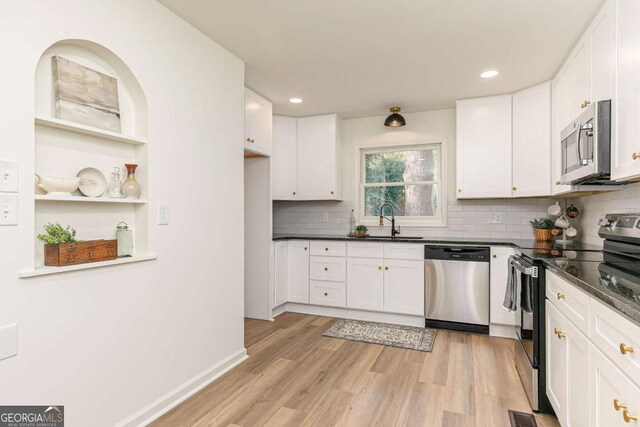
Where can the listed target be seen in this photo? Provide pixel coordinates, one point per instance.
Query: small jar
(124, 236)
(131, 187)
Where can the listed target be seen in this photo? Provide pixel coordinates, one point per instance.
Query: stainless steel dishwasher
(457, 287)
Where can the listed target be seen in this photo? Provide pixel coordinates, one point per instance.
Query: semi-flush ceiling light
(395, 120)
(488, 74)
(295, 100)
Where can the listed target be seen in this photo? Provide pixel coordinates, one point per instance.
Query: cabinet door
(483, 149)
(625, 149)
(601, 55)
(404, 287)
(283, 159)
(364, 283)
(257, 122)
(582, 75)
(557, 92)
(298, 290)
(499, 271)
(316, 169)
(612, 393)
(532, 141)
(556, 362)
(577, 366)
(566, 76)
(281, 272)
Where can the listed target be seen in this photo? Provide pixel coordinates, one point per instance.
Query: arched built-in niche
(63, 148)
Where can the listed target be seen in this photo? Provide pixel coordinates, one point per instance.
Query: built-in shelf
(43, 271)
(87, 130)
(82, 199)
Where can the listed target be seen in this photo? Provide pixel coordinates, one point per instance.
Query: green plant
(542, 224)
(362, 228)
(55, 234)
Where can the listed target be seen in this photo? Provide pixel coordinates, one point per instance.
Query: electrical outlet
(163, 214)
(8, 341)
(8, 176)
(325, 216)
(8, 209)
(496, 218)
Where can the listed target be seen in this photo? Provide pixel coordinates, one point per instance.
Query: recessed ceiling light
(490, 73)
(295, 100)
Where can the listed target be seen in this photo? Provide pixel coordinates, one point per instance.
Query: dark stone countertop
(612, 286)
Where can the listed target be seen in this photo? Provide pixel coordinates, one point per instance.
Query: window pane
(402, 166)
(407, 200)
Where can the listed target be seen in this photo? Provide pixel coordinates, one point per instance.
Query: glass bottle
(124, 236)
(352, 223)
(131, 188)
(115, 184)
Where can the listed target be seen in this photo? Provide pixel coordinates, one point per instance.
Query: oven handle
(529, 271)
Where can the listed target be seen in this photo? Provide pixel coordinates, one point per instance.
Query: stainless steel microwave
(586, 146)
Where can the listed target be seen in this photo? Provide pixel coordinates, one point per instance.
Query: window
(409, 178)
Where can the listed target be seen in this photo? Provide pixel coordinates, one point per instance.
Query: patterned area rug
(408, 337)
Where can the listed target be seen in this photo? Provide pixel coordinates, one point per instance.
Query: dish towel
(526, 299)
(510, 302)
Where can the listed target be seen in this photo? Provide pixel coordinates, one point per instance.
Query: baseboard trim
(347, 313)
(176, 396)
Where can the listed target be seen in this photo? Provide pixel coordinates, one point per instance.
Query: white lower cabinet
(404, 286)
(567, 363)
(327, 293)
(298, 286)
(332, 269)
(615, 399)
(365, 280)
(499, 271)
(281, 272)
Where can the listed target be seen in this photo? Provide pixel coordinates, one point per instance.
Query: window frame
(439, 220)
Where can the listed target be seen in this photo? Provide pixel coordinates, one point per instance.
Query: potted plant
(62, 248)
(542, 229)
(361, 230)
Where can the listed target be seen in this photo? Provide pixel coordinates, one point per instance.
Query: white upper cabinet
(283, 160)
(581, 59)
(319, 154)
(625, 149)
(483, 152)
(307, 158)
(568, 89)
(257, 123)
(531, 141)
(602, 54)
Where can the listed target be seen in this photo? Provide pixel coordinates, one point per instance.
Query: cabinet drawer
(571, 301)
(328, 248)
(333, 269)
(610, 387)
(328, 293)
(365, 250)
(617, 338)
(403, 251)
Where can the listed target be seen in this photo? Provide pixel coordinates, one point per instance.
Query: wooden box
(80, 253)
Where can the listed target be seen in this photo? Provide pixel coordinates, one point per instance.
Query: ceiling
(359, 57)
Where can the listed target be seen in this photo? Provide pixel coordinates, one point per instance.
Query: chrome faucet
(394, 232)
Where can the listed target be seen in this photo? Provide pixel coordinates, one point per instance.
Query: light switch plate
(325, 216)
(163, 214)
(8, 209)
(8, 176)
(8, 341)
(496, 218)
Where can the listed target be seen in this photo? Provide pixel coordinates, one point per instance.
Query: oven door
(577, 146)
(525, 322)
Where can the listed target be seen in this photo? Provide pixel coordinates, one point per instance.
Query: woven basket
(542, 235)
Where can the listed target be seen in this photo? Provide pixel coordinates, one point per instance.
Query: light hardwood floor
(297, 377)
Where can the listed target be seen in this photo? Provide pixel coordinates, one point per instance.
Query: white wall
(105, 343)
(465, 218)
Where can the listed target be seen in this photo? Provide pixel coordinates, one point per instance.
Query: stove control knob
(604, 222)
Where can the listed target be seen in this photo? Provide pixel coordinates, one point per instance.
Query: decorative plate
(92, 182)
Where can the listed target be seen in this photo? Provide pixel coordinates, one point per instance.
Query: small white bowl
(57, 186)
(554, 210)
